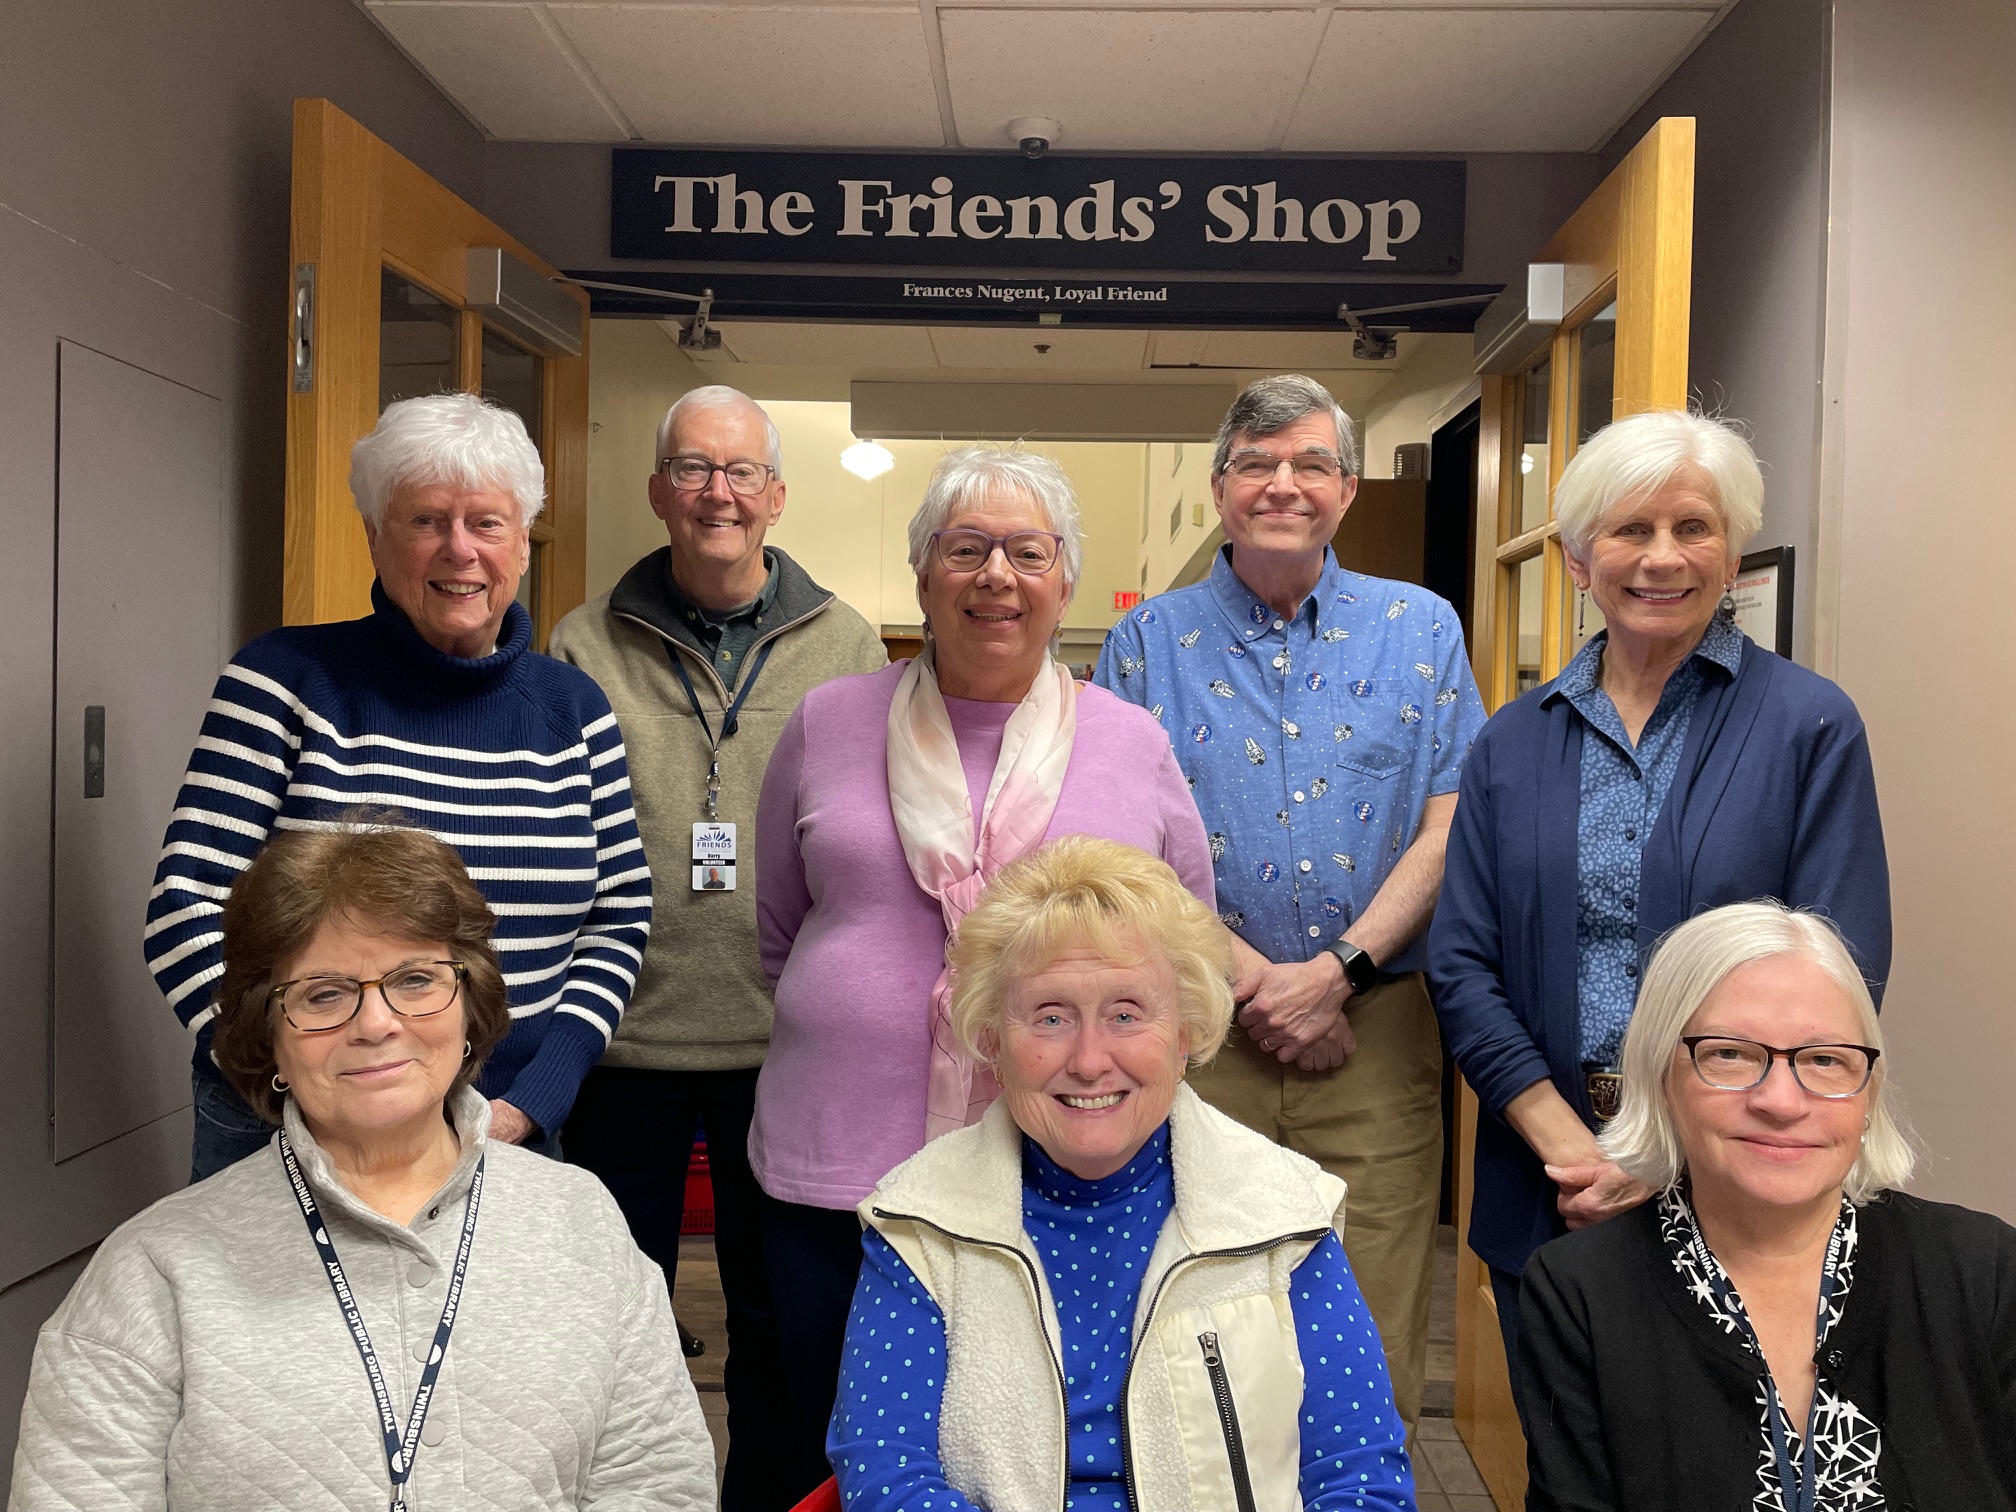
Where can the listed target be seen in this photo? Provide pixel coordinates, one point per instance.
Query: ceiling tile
(499, 64)
(1016, 347)
(796, 343)
(847, 76)
(1406, 80)
(1114, 79)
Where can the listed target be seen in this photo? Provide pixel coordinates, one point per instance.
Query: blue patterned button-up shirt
(1623, 790)
(1311, 745)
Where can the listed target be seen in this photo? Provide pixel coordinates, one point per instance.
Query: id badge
(713, 857)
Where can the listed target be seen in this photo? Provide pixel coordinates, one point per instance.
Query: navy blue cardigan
(1775, 797)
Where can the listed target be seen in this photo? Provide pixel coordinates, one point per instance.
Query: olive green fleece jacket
(702, 1002)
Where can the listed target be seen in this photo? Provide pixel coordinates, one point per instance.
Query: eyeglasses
(419, 989)
(695, 472)
(1031, 553)
(1737, 1065)
(1311, 469)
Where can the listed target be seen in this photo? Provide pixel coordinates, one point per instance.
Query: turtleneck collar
(1148, 1168)
(425, 662)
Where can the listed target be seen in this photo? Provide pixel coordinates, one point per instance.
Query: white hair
(1689, 964)
(1638, 454)
(719, 396)
(1267, 405)
(457, 439)
(973, 474)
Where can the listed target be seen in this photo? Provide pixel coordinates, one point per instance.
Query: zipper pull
(1210, 1343)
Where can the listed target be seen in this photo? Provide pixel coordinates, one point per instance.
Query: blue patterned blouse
(1623, 789)
(1094, 1239)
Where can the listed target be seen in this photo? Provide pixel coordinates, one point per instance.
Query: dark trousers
(814, 1258)
(1505, 1292)
(227, 1130)
(634, 1129)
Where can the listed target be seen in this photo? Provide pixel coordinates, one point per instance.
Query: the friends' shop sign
(997, 210)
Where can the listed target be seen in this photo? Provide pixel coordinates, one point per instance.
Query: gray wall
(143, 213)
(1758, 90)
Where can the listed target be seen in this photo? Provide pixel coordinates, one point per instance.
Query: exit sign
(1125, 600)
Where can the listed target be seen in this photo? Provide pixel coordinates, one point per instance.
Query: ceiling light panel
(502, 66)
(1407, 80)
(1016, 347)
(834, 76)
(1171, 80)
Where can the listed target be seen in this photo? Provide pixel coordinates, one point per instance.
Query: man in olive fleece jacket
(753, 634)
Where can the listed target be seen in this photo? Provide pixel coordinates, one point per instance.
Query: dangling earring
(1581, 609)
(1726, 610)
(279, 1083)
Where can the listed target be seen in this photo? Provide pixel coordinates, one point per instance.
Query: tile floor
(1445, 1479)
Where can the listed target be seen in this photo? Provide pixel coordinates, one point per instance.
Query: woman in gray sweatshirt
(383, 1307)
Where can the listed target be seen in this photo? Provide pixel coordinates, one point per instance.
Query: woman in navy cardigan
(1673, 766)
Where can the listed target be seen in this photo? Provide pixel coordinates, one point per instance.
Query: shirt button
(1630, 902)
(1299, 796)
(689, 614)
(1278, 624)
(434, 1212)
(1315, 933)
(1303, 864)
(1630, 834)
(1631, 971)
(422, 1347)
(431, 1432)
(1280, 662)
(725, 655)
(419, 1275)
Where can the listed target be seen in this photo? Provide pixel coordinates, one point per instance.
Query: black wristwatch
(1359, 969)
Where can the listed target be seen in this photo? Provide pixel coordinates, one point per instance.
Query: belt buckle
(1606, 1094)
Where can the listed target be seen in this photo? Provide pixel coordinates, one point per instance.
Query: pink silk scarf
(934, 819)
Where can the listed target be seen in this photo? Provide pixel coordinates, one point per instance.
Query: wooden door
(1627, 252)
(382, 311)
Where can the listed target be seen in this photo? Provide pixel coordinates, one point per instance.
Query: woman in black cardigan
(1778, 1328)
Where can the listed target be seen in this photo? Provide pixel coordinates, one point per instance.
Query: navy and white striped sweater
(514, 759)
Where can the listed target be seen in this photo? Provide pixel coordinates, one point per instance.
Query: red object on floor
(699, 1207)
(825, 1499)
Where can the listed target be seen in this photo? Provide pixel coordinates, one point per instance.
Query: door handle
(94, 750)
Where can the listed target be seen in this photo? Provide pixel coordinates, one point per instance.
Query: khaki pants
(1376, 1121)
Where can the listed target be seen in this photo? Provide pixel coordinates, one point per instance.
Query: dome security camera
(1033, 134)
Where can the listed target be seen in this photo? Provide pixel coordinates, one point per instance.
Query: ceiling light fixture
(867, 461)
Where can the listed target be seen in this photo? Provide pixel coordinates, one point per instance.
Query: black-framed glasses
(744, 477)
(1311, 469)
(419, 989)
(1737, 1065)
(1032, 553)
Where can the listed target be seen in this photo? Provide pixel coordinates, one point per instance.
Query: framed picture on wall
(1763, 594)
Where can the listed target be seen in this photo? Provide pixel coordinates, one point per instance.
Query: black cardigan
(1636, 1400)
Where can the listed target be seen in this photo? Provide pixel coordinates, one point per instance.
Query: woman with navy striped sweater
(433, 705)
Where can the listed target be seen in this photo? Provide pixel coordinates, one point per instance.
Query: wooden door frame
(358, 207)
(1631, 240)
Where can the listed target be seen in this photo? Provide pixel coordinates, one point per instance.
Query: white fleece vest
(1246, 1214)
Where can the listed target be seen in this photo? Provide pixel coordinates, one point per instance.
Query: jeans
(634, 1129)
(227, 1130)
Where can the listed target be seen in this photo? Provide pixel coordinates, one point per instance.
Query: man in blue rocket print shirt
(1322, 718)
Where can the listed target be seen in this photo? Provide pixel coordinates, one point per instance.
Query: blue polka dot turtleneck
(1093, 1239)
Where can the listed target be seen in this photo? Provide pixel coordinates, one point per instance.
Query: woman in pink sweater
(890, 801)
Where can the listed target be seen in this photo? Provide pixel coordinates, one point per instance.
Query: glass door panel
(1530, 484)
(1596, 373)
(515, 379)
(418, 341)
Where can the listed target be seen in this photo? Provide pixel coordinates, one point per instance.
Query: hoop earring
(466, 1049)
(279, 1082)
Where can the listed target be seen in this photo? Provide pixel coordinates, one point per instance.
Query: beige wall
(1179, 488)
(1433, 374)
(1917, 535)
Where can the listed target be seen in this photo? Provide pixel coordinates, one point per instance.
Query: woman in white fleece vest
(1105, 1295)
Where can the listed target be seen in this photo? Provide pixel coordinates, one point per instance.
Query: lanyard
(1797, 1483)
(727, 724)
(399, 1449)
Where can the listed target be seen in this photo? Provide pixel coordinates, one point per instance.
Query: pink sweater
(853, 944)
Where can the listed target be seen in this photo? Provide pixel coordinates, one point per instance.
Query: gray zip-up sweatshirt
(202, 1363)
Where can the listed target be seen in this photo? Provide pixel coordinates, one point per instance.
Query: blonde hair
(1093, 894)
(1689, 964)
(1639, 453)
